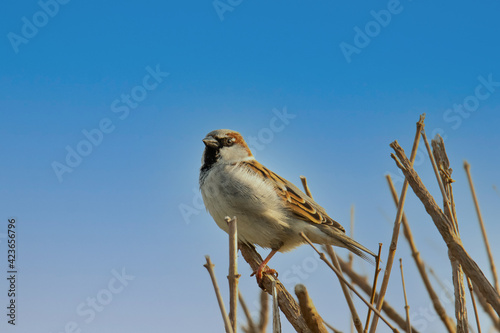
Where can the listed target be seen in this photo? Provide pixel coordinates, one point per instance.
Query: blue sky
(133, 87)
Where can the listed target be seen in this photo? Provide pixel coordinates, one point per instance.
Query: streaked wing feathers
(299, 203)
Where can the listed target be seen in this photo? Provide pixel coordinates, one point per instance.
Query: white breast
(232, 190)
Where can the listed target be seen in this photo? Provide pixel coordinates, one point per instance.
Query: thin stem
(264, 311)
(445, 228)
(407, 307)
(471, 290)
(351, 234)
(374, 287)
(447, 321)
(210, 267)
(286, 302)
(438, 178)
(361, 281)
(233, 270)
(251, 325)
(440, 160)
(487, 308)
(397, 224)
(355, 318)
(276, 311)
(350, 256)
(483, 229)
(354, 315)
(341, 277)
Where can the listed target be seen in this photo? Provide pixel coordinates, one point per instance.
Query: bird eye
(229, 141)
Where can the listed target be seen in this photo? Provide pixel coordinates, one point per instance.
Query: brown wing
(299, 203)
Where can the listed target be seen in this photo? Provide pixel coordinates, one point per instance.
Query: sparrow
(271, 211)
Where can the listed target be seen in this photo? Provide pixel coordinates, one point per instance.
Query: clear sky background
(72, 70)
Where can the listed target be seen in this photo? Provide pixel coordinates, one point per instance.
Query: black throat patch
(212, 155)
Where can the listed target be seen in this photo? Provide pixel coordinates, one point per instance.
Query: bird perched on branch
(271, 211)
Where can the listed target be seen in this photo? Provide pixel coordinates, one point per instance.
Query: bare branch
(397, 224)
(460, 308)
(483, 229)
(286, 302)
(264, 311)
(210, 267)
(355, 318)
(447, 321)
(367, 289)
(276, 312)
(445, 228)
(487, 308)
(313, 319)
(441, 162)
(471, 290)
(251, 325)
(233, 276)
(334, 330)
(407, 307)
(374, 286)
(341, 277)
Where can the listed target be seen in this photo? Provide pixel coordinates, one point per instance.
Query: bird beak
(209, 141)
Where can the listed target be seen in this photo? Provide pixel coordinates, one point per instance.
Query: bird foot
(261, 271)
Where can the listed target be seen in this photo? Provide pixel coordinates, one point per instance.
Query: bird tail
(341, 239)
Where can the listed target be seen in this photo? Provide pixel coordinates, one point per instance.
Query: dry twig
(233, 276)
(355, 318)
(341, 277)
(397, 224)
(483, 229)
(367, 289)
(447, 321)
(334, 330)
(251, 328)
(471, 290)
(446, 229)
(487, 308)
(276, 311)
(286, 302)
(374, 286)
(407, 307)
(440, 161)
(210, 267)
(351, 255)
(264, 311)
(311, 316)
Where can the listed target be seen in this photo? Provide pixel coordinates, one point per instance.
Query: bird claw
(260, 272)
